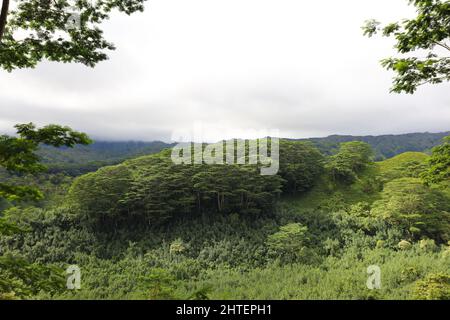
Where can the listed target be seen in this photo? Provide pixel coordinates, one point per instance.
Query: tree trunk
(199, 204)
(3, 15)
(218, 201)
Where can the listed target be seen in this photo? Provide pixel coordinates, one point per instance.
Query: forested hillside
(149, 229)
(341, 217)
(83, 159)
(385, 146)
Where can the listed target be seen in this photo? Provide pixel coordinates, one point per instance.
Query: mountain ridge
(83, 159)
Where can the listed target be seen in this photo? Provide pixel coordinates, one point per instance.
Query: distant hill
(386, 146)
(101, 151)
(82, 159)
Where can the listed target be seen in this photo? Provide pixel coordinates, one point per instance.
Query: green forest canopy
(162, 231)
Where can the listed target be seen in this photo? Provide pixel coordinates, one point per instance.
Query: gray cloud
(300, 67)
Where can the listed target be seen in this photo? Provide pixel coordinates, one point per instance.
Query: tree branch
(443, 45)
(431, 81)
(3, 16)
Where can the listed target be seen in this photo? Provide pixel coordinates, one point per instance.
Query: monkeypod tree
(429, 31)
(352, 159)
(56, 30)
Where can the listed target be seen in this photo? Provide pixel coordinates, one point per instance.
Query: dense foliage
(152, 189)
(18, 154)
(439, 164)
(352, 159)
(83, 159)
(150, 229)
(300, 166)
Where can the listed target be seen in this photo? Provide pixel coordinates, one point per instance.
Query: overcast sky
(301, 67)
